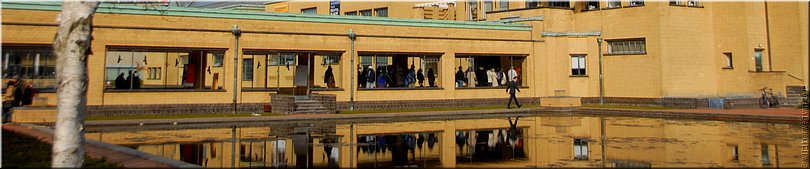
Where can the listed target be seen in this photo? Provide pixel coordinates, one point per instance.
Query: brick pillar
(447, 157)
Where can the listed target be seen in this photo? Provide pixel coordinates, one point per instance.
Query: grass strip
(175, 116)
(429, 109)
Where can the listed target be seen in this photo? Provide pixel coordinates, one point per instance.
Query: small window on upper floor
(532, 3)
(614, 4)
(635, 3)
(381, 12)
(735, 156)
(627, 46)
(693, 3)
(580, 149)
(591, 5)
(310, 11)
(365, 12)
(503, 5)
(352, 13)
(559, 4)
(578, 65)
(729, 60)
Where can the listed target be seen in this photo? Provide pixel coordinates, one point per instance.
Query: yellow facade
(684, 49)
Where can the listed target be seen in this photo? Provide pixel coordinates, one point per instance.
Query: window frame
(583, 153)
(581, 67)
(377, 13)
(634, 3)
(627, 46)
(314, 9)
(609, 3)
(362, 12)
(729, 58)
(247, 70)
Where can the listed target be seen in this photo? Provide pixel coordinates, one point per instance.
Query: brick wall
(170, 109)
(327, 100)
(282, 103)
(746, 102)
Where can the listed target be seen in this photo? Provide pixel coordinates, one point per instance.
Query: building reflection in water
(485, 143)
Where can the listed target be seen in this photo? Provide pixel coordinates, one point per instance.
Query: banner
(334, 7)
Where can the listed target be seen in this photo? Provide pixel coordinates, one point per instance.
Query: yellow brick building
(650, 50)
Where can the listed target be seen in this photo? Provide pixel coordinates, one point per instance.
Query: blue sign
(334, 7)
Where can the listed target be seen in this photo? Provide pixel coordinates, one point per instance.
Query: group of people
(18, 93)
(394, 76)
(493, 77)
(132, 81)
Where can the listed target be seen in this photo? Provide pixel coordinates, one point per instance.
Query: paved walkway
(771, 111)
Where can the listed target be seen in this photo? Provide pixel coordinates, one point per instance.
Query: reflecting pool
(472, 142)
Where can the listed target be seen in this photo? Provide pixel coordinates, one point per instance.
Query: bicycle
(768, 99)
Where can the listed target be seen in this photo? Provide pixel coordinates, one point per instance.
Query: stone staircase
(304, 105)
(794, 97)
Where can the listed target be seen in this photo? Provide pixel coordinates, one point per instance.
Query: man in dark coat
(431, 77)
(420, 77)
(511, 87)
(460, 77)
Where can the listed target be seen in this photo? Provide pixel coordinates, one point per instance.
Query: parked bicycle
(768, 99)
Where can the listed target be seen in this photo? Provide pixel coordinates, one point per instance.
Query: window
(735, 156)
(331, 59)
(381, 12)
(560, 4)
(503, 5)
(247, 69)
(218, 58)
(693, 3)
(487, 6)
(162, 68)
(35, 64)
(635, 3)
(766, 159)
(614, 4)
(677, 2)
(480, 66)
(758, 60)
(472, 9)
(580, 149)
(729, 60)
(532, 3)
(391, 70)
(352, 13)
(578, 65)
(591, 5)
(154, 73)
(365, 13)
(285, 59)
(309, 11)
(632, 46)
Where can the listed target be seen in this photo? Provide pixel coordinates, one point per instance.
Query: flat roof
(273, 16)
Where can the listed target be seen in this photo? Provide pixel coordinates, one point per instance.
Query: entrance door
(304, 74)
(758, 60)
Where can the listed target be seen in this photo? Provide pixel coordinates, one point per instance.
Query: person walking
(511, 87)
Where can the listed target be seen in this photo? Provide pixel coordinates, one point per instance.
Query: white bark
(71, 46)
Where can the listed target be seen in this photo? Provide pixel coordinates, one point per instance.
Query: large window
(580, 149)
(578, 65)
(487, 6)
(163, 68)
(269, 70)
(472, 9)
(486, 71)
(365, 12)
(34, 64)
(394, 70)
(614, 4)
(630, 46)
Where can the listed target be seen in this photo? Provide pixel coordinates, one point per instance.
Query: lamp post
(352, 37)
(601, 79)
(236, 33)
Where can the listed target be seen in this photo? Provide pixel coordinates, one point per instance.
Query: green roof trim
(255, 15)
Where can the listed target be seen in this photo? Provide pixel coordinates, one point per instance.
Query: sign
(334, 7)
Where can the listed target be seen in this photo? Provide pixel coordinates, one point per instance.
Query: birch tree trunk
(72, 45)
